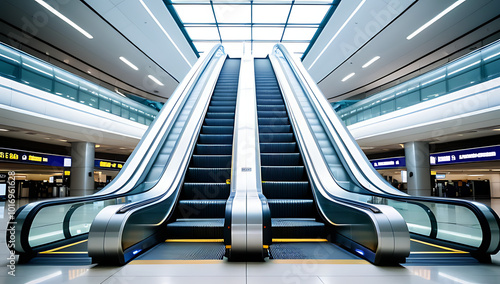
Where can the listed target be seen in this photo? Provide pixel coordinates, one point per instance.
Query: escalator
(200, 214)
(60, 230)
(192, 228)
(441, 230)
(297, 231)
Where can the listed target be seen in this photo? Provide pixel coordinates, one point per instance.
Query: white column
(82, 168)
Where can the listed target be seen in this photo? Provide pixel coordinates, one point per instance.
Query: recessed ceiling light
(97, 145)
(371, 61)
(130, 64)
(63, 140)
(337, 33)
(348, 77)
(164, 31)
(497, 129)
(3, 130)
(155, 80)
(64, 18)
(439, 16)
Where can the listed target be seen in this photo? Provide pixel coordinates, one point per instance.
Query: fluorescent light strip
(64, 18)
(130, 64)
(337, 33)
(164, 31)
(439, 16)
(348, 77)
(371, 61)
(155, 80)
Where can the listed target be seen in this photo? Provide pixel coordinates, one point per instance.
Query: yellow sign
(67, 173)
(9, 156)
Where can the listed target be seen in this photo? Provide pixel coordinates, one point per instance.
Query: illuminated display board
(33, 158)
(466, 156)
(390, 163)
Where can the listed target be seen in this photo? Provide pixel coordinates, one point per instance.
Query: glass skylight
(259, 24)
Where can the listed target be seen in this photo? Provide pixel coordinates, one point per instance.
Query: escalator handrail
(489, 224)
(170, 112)
(107, 229)
(390, 231)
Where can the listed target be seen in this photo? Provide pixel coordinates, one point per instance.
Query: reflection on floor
(320, 271)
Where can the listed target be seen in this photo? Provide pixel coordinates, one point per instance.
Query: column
(495, 185)
(82, 168)
(418, 168)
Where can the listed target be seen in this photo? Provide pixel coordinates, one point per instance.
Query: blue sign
(466, 156)
(389, 163)
(25, 157)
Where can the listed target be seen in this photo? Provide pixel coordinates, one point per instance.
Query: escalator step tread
(296, 222)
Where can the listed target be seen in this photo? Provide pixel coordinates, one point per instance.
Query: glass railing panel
(10, 63)
(433, 84)
(456, 224)
(37, 74)
(47, 226)
(415, 216)
(491, 61)
(464, 73)
(83, 215)
(66, 85)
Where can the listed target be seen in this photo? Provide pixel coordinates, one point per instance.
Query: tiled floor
(308, 271)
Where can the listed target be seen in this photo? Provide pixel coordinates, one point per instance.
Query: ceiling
(380, 28)
(146, 34)
(261, 24)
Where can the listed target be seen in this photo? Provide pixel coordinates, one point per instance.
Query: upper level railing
(26, 69)
(474, 68)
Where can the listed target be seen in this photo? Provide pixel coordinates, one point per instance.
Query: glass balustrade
(24, 68)
(477, 67)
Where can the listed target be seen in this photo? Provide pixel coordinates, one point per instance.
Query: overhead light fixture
(348, 77)
(337, 33)
(164, 32)
(64, 18)
(97, 145)
(155, 80)
(433, 20)
(3, 130)
(498, 129)
(370, 62)
(130, 64)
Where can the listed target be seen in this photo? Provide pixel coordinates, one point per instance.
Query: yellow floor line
(447, 250)
(299, 240)
(319, 261)
(174, 261)
(194, 241)
(63, 247)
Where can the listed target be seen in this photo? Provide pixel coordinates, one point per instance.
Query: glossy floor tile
(270, 271)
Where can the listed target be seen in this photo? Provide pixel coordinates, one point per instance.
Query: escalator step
(219, 122)
(283, 173)
(223, 103)
(276, 137)
(292, 208)
(270, 102)
(205, 191)
(274, 121)
(286, 189)
(297, 228)
(211, 161)
(213, 149)
(202, 208)
(278, 147)
(275, 129)
(196, 229)
(270, 108)
(221, 108)
(216, 175)
(220, 115)
(280, 159)
(215, 139)
(264, 114)
(217, 129)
